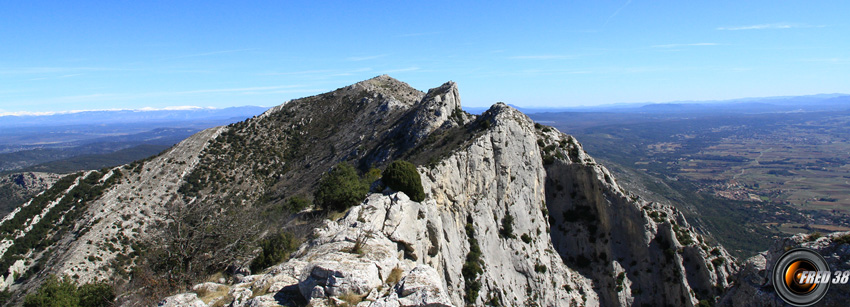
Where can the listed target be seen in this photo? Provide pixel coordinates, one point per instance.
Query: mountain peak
(522, 203)
(384, 83)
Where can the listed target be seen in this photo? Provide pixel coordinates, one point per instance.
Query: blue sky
(76, 55)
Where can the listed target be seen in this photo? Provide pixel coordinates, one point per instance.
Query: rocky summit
(515, 214)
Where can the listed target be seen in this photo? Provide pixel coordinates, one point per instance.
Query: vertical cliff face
(516, 214)
(495, 184)
(635, 252)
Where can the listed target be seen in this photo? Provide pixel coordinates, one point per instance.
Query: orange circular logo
(801, 277)
(794, 274)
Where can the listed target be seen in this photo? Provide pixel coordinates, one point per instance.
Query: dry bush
(395, 276)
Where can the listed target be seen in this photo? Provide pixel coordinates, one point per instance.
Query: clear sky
(73, 55)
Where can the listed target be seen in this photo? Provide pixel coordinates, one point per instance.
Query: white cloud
(320, 72)
(616, 12)
(544, 57)
(206, 54)
(174, 108)
(769, 26)
(418, 34)
(57, 77)
(98, 97)
(365, 58)
(828, 60)
(52, 70)
(684, 45)
(400, 70)
(227, 90)
(145, 109)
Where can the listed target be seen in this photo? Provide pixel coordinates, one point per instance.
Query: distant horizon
(552, 107)
(130, 55)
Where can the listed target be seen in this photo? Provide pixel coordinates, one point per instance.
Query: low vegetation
(62, 292)
(297, 204)
(402, 176)
(620, 279)
(814, 236)
(540, 268)
(276, 249)
(842, 239)
(340, 188)
(473, 265)
(507, 229)
(56, 221)
(395, 276)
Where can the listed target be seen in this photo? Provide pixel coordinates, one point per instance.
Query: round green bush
(340, 188)
(402, 176)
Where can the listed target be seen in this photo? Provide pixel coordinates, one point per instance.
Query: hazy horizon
(555, 107)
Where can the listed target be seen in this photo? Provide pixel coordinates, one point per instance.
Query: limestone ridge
(574, 237)
(545, 223)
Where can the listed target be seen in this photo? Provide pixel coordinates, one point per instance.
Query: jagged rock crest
(545, 223)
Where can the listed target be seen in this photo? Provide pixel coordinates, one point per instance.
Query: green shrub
(843, 239)
(340, 188)
(716, 252)
(64, 292)
(525, 238)
(472, 267)
(718, 261)
(372, 175)
(402, 176)
(297, 203)
(539, 268)
(507, 230)
(96, 294)
(620, 279)
(275, 250)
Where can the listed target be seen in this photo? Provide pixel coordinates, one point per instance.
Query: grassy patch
(395, 276)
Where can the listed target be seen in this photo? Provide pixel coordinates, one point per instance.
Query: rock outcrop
(17, 188)
(436, 108)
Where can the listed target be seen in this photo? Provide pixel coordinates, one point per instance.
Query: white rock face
(641, 253)
(434, 110)
(422, 287)
(182, 300)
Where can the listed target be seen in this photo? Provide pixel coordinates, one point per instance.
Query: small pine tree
(402, 176)
(340, 188)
